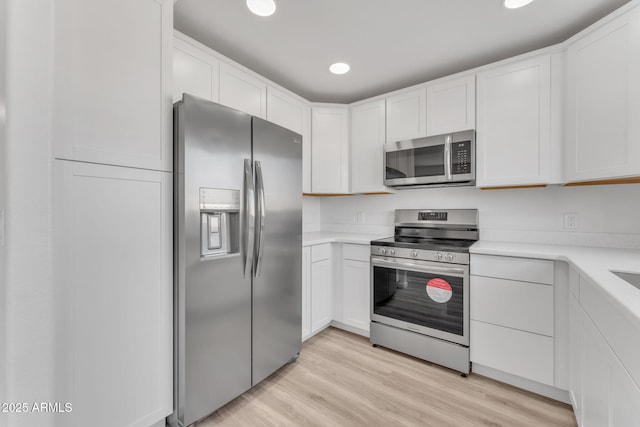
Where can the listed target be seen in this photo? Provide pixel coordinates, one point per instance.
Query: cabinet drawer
(320, 252)
(519, 305)
(523, 269)
(519, 353)
(356, 252)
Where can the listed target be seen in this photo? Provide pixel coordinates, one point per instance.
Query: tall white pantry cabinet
(112, 223)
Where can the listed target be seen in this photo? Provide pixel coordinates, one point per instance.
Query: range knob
(450, 257)
(392, 251)
(438, 256)
(414, 254)
(383, 251)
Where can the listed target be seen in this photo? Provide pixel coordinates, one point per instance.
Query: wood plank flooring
(341, 380)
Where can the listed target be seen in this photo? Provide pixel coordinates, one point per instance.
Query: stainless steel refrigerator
(238, 249)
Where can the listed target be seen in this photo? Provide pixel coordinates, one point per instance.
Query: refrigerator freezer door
(213, 297)
(277, 287)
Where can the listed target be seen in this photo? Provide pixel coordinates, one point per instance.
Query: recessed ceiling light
(339, 68)
(514, 4)
(262, 7)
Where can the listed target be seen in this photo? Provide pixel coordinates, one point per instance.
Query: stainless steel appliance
(238, 254)
(431, 161)
(420, 285)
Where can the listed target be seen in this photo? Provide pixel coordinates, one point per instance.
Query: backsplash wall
(608, 215)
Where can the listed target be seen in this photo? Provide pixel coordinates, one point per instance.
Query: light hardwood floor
(341, 380)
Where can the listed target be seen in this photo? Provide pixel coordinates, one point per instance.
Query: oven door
(425, 297)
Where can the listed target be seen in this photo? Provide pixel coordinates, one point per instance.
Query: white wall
(3, 169)
(609, 215)
(310, 214)
(30, 332)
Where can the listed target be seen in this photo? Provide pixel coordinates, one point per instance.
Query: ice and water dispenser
(219, 222)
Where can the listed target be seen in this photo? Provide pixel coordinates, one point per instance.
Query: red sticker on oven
(439, 290)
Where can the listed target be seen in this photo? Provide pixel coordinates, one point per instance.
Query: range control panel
(421, 254)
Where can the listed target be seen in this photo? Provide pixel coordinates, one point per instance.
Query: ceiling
(390, 44)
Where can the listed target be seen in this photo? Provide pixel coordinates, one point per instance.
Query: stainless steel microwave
(431, 161)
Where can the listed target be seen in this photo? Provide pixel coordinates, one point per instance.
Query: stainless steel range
(420, 285)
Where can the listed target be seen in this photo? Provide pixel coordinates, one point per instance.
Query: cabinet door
(113, 249)
(194, 71)
(407, 115)
(112, 98)
(513, 129)
(306, 292)
(320, 294)
(596, 377)
(625, 398)
(242, 91)
(451, 106)
(603, 102)
(356, 294)
(575, 357)
(330, 150)
(367, 141)
(291, 113)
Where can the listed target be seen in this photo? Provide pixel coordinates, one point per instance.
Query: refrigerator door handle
(248, 219)
(259, 219)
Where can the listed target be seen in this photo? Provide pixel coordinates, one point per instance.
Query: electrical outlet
(360, 218)
(571, 221)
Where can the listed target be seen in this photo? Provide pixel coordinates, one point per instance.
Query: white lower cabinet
(513, 317)
(356, 286)
(306, 292)
(113, 270)
(321, 287)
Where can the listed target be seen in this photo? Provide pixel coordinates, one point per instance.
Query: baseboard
(350, 328)
(523, 383)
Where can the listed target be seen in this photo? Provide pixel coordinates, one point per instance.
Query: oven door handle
(416, 267)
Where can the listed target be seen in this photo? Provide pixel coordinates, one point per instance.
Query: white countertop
(320, 237)
(594, 263)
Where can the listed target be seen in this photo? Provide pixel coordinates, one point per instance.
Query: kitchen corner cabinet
(602, 390)
(515, 141)
(356, 286)
(114, 274)
(285, 110)
(242, 91)
(112, 98)
(367, 141)
(195, 71)
(602, 131)
(451, 106)
(407, 115)
(330, 149)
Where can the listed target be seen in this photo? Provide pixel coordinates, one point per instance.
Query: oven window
(415, 163)
(425, 299)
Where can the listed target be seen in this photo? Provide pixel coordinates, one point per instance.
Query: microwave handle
(447, 158)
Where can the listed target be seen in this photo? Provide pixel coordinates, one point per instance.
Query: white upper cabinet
(515, 142)
(112, 97)
(242, 91)
(367, 141)
(293, 114)
(407, 115)
(330, 150)
(194, 71)
(602, 129)
(451, 106)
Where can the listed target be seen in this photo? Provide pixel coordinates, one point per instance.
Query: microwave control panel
(461, 157)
